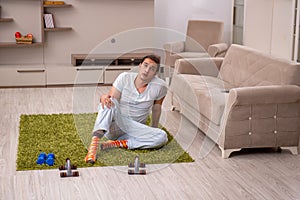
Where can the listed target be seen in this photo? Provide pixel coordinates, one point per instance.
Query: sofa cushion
(204, 93)
(201, 33)
(243, 66)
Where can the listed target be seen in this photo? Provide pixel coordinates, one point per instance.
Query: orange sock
(114, 144)
(92, 150)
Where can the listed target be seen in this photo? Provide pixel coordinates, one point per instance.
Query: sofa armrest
(264, 94)
(199, 66)
(217, 49)
(261, 116)
(174, 47)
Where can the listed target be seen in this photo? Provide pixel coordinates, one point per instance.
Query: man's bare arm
(106, 98)
(156, 112)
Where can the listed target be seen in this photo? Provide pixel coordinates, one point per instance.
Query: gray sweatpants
(118, 127)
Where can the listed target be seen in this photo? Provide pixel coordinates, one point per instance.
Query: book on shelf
(48, 18)
(54, 2)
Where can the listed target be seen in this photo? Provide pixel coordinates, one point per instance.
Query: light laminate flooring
(251, 174)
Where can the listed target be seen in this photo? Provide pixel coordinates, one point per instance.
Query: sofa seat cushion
(204, 93)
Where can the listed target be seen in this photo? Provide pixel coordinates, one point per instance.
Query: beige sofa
(245, 100)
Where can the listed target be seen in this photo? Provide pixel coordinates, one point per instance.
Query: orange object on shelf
(54, 2)
(24, 40)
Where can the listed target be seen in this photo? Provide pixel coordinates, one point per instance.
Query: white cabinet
(51, 75)
(73, 75)
(18, 75)
(269, 26)
(85, 69)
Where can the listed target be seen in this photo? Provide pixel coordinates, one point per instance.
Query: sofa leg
(173, 108)
(293, 150)
(226, 152)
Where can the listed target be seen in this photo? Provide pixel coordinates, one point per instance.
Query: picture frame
(48, 19)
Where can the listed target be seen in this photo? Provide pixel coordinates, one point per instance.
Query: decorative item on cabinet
(48, 20)
(54, 2)
(23, 39)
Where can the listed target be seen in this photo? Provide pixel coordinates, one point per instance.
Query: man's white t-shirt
(133, 104)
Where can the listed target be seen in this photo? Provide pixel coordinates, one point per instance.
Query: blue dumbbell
(50, 159)
(41, 158)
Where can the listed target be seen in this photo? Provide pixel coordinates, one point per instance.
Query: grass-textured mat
(69, 135)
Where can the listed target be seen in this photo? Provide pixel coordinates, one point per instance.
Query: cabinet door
(60, 75)
(258, 24)
(20, 76)
(238, 22)
(283, 28)
(269, 26)
(111, 73)
(89, 75)
(69, 75)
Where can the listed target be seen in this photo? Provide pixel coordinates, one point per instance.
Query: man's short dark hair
(153, 57)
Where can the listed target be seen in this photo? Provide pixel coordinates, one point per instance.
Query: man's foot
(114, 144)
(92, 151)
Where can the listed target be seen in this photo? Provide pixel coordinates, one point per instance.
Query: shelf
(6, 19)
(125, 60)
(41, 43)
(13, 44)
(57, 5)
(57, 29)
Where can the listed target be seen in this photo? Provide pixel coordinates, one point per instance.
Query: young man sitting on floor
(122, 113)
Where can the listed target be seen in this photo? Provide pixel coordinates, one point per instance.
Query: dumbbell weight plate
(75, 173)
(63, 174)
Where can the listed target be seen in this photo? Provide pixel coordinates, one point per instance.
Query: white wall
(92, 22)
(174, 14)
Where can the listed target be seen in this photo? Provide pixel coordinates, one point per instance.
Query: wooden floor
(255, 174)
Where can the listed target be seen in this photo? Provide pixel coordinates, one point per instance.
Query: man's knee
(162, 139)
(165, 137)
(104, 118)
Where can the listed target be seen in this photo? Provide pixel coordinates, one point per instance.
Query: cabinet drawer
(74, 75)
(22, 76)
